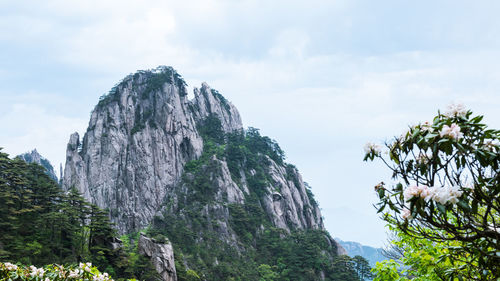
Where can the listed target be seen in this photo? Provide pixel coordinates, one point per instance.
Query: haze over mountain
(373, 255)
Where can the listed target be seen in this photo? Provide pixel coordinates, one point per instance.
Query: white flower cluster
(447, 194)
(375, 148)
(36, 272)
(102, 277)
(86, 266)
(82, 272)
(10, 266)
(416, 191)
(443, 195)
(456, 109)
(491, 145)
(452, 131)
(74, 274)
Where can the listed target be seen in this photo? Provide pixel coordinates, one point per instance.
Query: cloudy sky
(320, 77)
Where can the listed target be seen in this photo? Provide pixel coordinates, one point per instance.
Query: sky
(322, 78)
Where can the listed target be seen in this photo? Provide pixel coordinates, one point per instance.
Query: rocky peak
(161, 255)
(208, 101)
(35, 157)
(139, 137)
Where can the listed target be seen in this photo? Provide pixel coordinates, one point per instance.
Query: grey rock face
(288, 204)
(138, 140)
(140, 136)
(161, 256)
(35, 157)
(209, 101)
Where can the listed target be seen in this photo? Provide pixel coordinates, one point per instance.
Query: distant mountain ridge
(372, 254)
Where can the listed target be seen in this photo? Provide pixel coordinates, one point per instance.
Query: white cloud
(28, 126)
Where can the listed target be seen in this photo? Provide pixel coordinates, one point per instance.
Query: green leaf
(415, 133)
(393, 157)
(474, 206)
(464, 205)
(381, 209)
(441, 208)
(381, 193)
(477, 119)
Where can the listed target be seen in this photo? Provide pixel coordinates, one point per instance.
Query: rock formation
(161, 256)
(133, 160)
(139, 138)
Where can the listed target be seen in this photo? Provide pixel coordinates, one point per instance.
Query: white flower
(426, 126)
(406, 214)
(101, 277)
(74, 273)
(452, 131)
(416, 191)
(454, 193)
(33, 270)
(10, 266)
(375, 148)
(490, 145)
(445, 194)
(40, 272)
(456, 109)
(85, 266)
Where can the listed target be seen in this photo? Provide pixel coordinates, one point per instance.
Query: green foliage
(343, 269)
(445, 206)
(203, 238)
(222, 99)
(112, 96)
(39, 224)
(153, 81)
(310, 195)
(267, 273)
(362, 267)
(388, 271)
(211, 129)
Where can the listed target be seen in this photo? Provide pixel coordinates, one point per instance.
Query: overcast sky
(320, 77)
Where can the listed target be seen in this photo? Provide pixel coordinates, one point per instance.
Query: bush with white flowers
(447, 188)
(83, 271)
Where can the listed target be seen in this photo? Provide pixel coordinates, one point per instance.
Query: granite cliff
(152, 157)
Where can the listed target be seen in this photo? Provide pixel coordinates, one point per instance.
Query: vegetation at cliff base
(260, 251)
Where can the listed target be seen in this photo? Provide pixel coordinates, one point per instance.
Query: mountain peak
(35, 157)
(140, 136)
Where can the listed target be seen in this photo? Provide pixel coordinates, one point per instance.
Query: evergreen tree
(362, 267)
(40, 224)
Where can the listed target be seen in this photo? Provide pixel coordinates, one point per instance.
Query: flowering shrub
(84, 271)
(447, 189)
